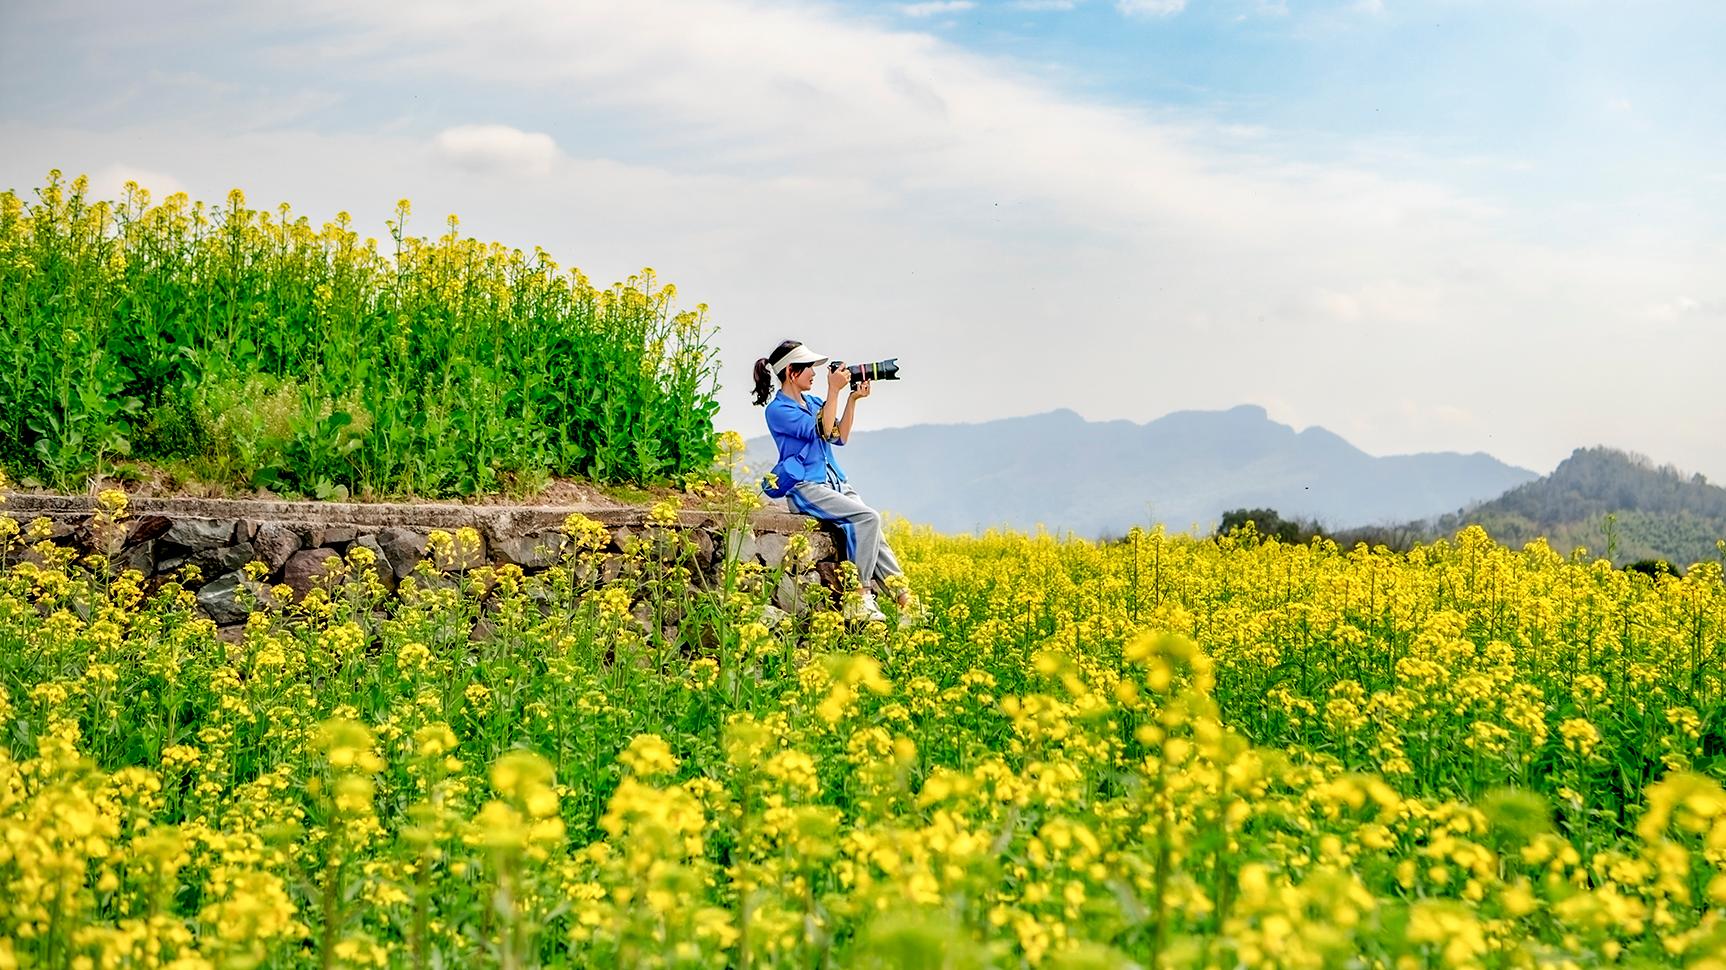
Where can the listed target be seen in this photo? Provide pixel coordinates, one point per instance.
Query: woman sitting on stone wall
(805, 428)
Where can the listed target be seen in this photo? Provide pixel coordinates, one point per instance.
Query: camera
(881, 370)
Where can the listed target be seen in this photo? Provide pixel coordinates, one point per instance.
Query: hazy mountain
(1184, 469)
(1657, 512)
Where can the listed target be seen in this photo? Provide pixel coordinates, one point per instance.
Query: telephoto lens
(881, 370)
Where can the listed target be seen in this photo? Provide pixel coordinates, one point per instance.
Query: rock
(790, 596)
(773, 616)
(535, 550)
(771, 547)
(403, 547)
(219, 598)
(624, 536)
(199, 534)
(822, 547)
(304, 568)
(274, 542)
(704, 548)
(386, 575)
(222, 558)
(337, 536)
(828, 571)
(611, 569)
(148, 527)
(741, 546)
(141, 557)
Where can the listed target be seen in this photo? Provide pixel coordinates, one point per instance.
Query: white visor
(799, 355)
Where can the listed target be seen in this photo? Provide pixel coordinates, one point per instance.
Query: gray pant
(838, 502)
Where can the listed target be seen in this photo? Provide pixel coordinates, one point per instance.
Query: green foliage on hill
(247, 347)
(1609, 503)
(1613, 504)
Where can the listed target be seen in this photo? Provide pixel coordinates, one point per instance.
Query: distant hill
(1659, 512)
(1184, 469)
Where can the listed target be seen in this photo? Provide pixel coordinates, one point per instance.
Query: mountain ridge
(1059, 470)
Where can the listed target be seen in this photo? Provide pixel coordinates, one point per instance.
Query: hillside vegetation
(249, 347)
(1656, 512)
(1601, 501)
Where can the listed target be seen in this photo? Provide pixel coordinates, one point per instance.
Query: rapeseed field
(1158, 752)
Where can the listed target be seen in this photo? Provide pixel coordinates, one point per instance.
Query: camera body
(881, 370)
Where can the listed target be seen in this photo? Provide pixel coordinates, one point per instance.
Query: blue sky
(1441, 225)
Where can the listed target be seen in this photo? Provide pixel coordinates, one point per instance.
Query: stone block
(219, 598)
(771, 546)
(822, 548)
(274, 542)
(741, 545)
(197, 535)
(793, 594)
(386, 575)
(221, 559)
(828, 571)
(141, 557)
(536, 550)
(338, 536)
(704, 548)
(304, 568)
(403, 547)
(148, 527)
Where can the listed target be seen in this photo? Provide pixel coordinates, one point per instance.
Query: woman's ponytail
(763, 381)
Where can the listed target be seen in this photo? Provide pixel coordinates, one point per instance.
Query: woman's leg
(886, 563)
(861, 524)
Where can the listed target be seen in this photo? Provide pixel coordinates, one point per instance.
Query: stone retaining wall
(295, 539)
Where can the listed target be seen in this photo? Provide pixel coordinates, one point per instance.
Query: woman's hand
(860, 391)
(836, 380)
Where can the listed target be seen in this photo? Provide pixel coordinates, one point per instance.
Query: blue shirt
(804, 456)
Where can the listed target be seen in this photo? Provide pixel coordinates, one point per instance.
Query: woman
(805, 428)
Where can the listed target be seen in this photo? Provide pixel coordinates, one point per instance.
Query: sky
(1433, 225)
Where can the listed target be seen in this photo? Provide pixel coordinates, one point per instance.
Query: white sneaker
(872, 610)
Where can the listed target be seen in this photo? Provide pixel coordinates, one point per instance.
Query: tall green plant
(259, 350)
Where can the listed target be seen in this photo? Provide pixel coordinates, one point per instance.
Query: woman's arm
(836, 381)
(862, 391)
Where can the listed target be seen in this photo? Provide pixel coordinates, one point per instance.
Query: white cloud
(1369, 7)
(1043, 4)
(934, 8)
(497, 149)
(1150, 8)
